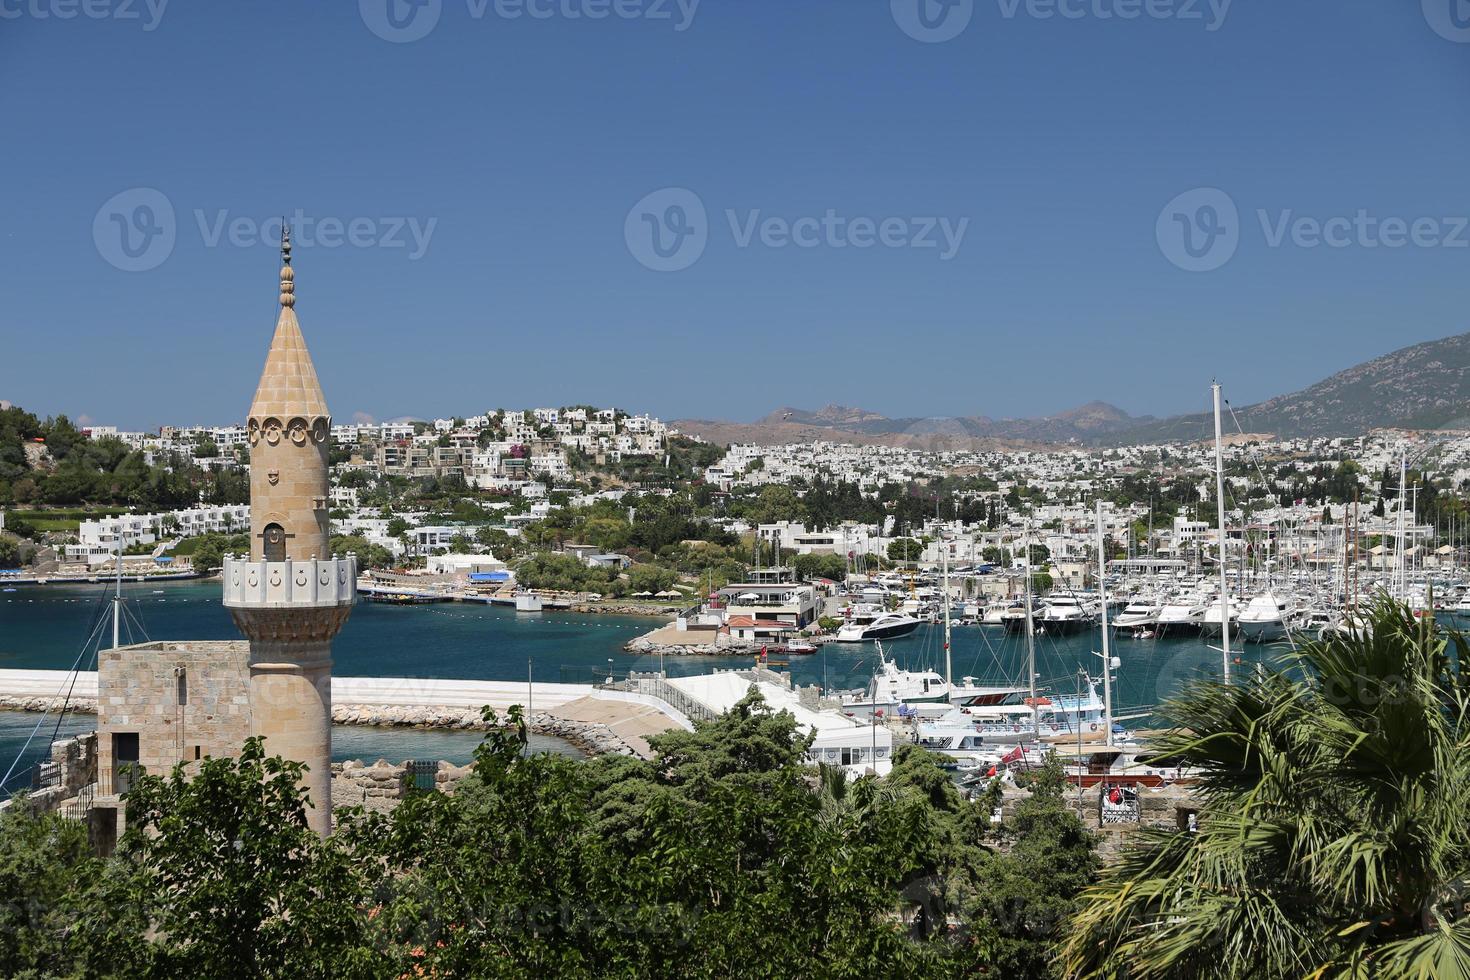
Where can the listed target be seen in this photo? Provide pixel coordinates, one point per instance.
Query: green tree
(45, 866)
(218, 875)
(1332, 838)
(904, 550)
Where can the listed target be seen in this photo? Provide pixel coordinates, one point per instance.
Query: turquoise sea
(47, 627)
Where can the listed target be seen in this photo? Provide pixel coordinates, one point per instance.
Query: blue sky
(531, 153)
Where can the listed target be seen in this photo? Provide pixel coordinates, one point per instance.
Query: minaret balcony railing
(290, 584)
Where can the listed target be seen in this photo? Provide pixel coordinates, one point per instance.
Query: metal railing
(656, 686)
(1118, 805)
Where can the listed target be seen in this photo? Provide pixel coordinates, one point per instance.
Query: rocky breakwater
(625, 609)
(692, 643)
(14, 702)
(594, 739)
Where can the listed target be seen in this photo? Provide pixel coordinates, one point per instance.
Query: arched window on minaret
(273, 542)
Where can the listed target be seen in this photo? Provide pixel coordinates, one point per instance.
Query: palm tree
(1334, 831)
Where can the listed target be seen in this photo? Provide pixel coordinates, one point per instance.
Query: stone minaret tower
(291, 597)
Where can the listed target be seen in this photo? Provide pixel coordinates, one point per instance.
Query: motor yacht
(884, 626)
(1063, 615)
(1267, 617)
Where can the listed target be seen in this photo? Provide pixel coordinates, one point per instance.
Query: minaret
(291, 597)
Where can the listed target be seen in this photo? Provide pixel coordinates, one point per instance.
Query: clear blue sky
(528, 141)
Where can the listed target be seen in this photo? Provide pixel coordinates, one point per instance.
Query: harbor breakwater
(592, 738)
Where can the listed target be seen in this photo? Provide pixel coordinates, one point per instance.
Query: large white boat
(1064, 614)
(1140, 614)
(1181, 614)
(1266, 617)
(894, 690)
(1210, 623)
(1014, 719)
(884, 626)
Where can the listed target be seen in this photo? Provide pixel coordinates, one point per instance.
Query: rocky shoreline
(594, 739)
(643, 646)
(623, 609)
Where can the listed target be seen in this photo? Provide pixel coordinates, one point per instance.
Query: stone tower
(290, 597)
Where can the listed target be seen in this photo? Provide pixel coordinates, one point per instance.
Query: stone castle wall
(185, 700)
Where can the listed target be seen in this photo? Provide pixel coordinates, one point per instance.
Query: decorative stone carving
(273, 431)
(297, 430)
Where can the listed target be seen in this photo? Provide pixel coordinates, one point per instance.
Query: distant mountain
(1426, 386)
(839, 423)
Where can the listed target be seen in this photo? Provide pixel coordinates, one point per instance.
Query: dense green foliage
(1333, 837)
(71, 468)
(725, 856)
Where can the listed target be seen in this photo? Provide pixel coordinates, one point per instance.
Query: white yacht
(893, 690)
(884, 626)
(1140, 614)
(1265, 618)
(1064, 614)
(1016, 719)
(1210, 623)
(994, 615)
(1181, 614)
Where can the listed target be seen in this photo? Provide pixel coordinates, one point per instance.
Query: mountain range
(1426, 386)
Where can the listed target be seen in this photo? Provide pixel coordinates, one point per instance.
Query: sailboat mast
(1403, 583)
(1031, 639)
(1102, 592)
(944, 598)
(1220, 515)
(117, 593)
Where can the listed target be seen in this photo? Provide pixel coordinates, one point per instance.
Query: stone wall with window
(163, 703)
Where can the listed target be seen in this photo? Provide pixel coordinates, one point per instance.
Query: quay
(601, 720)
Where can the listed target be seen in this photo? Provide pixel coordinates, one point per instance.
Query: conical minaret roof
(288, 385)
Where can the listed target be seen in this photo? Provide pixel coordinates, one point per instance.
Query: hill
(1426, 386)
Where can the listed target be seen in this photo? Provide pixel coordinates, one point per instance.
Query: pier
(431, 703)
